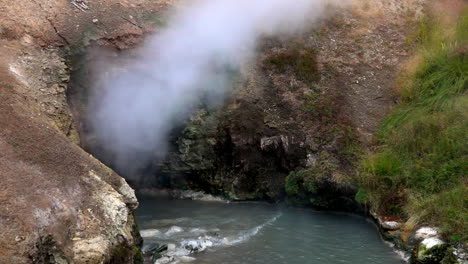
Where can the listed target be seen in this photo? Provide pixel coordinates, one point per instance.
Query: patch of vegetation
(298, 59)
(321, 107)
(293, 183)
(308, 181)
(302, 182)
(421, 165)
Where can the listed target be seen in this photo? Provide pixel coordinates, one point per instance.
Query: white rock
(115, 214)
(391, 225)
(426, 232)
(431, 242)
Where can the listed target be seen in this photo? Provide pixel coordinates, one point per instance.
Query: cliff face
(300, 114)
(59, 204)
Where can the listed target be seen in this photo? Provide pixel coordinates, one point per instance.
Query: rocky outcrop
(59, 204)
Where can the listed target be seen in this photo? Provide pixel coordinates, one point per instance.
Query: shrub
(293, 182)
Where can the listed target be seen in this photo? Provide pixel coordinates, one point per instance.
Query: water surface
(250, 233)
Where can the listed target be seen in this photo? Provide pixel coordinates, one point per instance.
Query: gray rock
(431, 250)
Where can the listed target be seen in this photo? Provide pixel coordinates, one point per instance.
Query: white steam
(190, 58)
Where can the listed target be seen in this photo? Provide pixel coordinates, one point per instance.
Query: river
(260, 233)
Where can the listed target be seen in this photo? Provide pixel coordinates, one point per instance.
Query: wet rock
(195, 246)
(155, 257)
(150, 248)
(162, 248)
(431, 250)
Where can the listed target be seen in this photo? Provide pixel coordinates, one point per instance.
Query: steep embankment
(418, 171)
(59, 204)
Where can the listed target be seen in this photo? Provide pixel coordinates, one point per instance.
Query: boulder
(431, 250)
(390, 225)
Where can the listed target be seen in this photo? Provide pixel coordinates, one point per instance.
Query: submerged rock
(195, 246)
(150, 248)
(162, 248)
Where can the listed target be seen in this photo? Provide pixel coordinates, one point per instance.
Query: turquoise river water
(260, 233)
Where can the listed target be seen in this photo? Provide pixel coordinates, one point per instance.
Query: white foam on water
(191, 246)
(149, 233)
(203, 242)
(200, 196)
(250, 233)
(174, 230)
(198, 231)
(402, 254)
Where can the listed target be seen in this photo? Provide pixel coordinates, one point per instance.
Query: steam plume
(189, 58)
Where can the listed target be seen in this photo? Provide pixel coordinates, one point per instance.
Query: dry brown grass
(367, 9)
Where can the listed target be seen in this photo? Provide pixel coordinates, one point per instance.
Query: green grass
(421, 166)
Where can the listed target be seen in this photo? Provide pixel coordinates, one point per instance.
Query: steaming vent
(136, 104)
